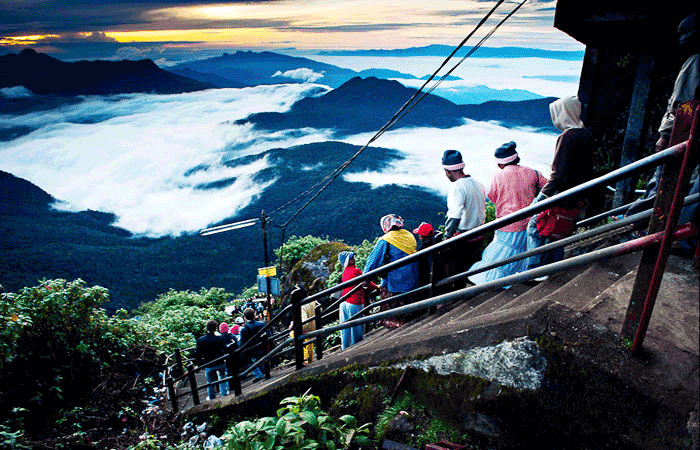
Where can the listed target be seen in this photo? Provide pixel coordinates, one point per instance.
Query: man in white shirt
(466, 209)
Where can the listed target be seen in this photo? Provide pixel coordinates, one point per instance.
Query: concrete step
(675, 316)
(581, 291)
(501, 298)
(529, 294)
(437, 320)
(524, 315)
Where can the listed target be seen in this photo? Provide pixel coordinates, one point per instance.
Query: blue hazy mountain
(446, 50)
(251, 69)
(248, 68)
(474, 95)
(43, 75)
(363, 105)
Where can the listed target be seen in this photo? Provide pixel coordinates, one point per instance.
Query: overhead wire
(400, 113)
(405, 108)
(468, 54)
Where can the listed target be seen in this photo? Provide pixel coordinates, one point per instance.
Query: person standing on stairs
(430, 263)
(685, 88)
(353, 304)
(210, 347)
(513, 188)
(466, 209)
(251, 327)
(572, 165)
(394, 245)
(308, 311)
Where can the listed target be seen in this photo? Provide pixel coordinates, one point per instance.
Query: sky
(54, 26)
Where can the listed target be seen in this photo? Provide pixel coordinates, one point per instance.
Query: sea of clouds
(134, 155)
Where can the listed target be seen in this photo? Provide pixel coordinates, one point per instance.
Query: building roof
(611, 23)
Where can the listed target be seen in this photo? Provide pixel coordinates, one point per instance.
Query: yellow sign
(267, 271)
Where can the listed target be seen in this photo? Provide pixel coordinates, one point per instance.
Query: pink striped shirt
(513, 188)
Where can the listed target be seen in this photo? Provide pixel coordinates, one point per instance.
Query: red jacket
(358, 298)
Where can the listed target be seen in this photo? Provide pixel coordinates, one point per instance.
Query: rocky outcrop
(311, 273)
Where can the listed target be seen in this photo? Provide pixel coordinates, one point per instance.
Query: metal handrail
(653, 160)
(682, 232)
(528, 211)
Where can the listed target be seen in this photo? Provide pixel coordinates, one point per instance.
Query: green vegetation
(300, 424)
(68, 370)
(59, 350)
(175, 319)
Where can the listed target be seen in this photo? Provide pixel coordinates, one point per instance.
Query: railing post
(433, 309)
(193, 384)
(266, 365)
(233, 367)
(318, 323)
(178, 360)
(298, 295)
(671, 190)
(170, 381)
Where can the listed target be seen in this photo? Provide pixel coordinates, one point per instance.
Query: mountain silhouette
(43, 74)
(19, 192)
(363, 105)
(252, 69)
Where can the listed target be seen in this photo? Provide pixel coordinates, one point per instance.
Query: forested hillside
(40, 242)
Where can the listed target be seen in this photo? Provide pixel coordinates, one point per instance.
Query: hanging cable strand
(401, 112)
(409, 105)
(467, 55)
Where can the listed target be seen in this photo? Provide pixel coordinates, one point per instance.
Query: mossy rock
(311, 272)
(362, 401)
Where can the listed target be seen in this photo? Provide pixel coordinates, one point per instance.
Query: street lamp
(263, 220)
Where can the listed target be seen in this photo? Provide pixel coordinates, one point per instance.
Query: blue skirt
(504, 245)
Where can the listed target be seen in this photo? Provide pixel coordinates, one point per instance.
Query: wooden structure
(630, 37)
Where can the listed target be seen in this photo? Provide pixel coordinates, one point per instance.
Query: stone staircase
(585, 307)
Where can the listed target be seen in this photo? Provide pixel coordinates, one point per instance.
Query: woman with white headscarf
(572, 165)
(395, 244)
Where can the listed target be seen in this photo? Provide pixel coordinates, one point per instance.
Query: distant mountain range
(251, 69)
(446, 50)
(43, 74)
(363, 105)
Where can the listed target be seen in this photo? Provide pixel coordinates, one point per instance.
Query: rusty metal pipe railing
(652, 160)
(682, 232)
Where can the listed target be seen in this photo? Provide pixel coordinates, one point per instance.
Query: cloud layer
(133, 155)
(148, 158)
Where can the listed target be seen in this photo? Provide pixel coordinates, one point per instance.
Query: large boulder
(311, 272)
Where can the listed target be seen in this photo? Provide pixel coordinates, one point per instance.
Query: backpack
(557, 223)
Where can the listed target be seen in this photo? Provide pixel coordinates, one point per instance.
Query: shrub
(295, 249)
(55, 338)
(300, 424)
(175, 319)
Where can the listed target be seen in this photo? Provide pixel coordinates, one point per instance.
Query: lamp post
(264, 219)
